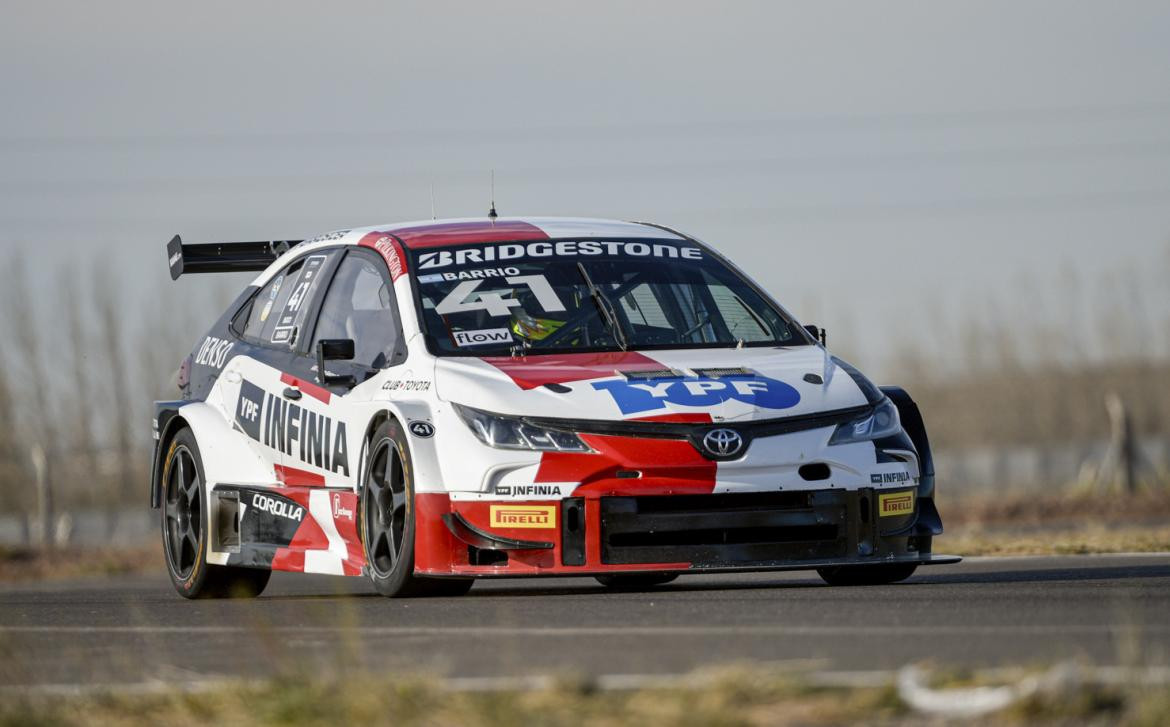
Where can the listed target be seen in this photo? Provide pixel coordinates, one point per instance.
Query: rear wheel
(387, 521)
(867, 575)
(185, 532)
(635, 581)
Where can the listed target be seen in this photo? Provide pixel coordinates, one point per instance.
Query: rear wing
(223, 257)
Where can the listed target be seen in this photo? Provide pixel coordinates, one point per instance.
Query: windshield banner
(432, 259)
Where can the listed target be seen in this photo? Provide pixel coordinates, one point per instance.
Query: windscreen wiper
(607, 312)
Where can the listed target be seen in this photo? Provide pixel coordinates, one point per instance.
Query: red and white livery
(432, 402)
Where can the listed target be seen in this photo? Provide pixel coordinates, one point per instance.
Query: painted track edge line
(1059, 556)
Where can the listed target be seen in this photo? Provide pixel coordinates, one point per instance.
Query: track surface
(982, 612)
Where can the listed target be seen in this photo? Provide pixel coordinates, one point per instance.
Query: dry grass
(1014, 405)
(738, 697)
(1059, 524)
(1084, 540)
(735, 696)
(33, 564)
(1056, 509)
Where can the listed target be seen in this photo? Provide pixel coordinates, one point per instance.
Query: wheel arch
(380, 417)
(224, 455)
(167, 423)
(916, 429)
(423, 457)
(929, 522)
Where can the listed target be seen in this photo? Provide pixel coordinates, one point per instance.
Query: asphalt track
(982, 612)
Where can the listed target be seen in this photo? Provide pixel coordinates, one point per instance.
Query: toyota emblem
(723, 442)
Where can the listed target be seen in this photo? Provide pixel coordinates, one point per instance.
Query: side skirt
(296, 529)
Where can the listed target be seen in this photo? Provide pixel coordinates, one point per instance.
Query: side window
(278, 311)
(359, 306)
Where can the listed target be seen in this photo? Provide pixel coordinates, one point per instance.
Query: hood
(684, 385)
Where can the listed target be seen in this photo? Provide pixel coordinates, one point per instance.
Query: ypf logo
(635, 397)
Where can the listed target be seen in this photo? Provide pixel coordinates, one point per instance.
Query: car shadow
(1044, 575)
(924, 578)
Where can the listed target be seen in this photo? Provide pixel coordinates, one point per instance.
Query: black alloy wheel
(388, 521)
(183, 513)
(386, 509)
(185, 531)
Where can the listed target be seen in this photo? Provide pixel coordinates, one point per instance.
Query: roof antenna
(432, 199)
(492, 212)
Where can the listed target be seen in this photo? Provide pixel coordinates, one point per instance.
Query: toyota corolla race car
(434, 402)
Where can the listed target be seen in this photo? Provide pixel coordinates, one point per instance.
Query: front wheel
(387, 521)
(867, 575)
(185, 531)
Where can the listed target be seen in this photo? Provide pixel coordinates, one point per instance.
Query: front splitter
(643, 568)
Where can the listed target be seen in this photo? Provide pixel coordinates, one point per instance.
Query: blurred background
(972, 197)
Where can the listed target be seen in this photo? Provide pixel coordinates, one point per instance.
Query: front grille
(728, 529)
(726, 536)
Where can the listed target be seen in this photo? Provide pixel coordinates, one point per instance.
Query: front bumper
(676, 533)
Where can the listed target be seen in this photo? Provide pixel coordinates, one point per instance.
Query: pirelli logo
(524, 516)
(895, 503)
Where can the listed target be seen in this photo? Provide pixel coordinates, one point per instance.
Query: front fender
(423, 454)
(225, 456)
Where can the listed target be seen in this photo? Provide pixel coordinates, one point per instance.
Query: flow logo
(761, 391)
(480, 337)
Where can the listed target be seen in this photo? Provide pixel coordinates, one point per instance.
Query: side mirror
(817, 333)
(334, 349)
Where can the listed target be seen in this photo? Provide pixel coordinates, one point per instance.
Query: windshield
(588, 295)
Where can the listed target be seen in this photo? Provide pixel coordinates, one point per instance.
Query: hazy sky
(875, 165)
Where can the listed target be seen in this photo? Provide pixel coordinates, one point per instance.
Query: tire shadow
(924, 578)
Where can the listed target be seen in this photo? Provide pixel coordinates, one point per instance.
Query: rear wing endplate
(223, 257)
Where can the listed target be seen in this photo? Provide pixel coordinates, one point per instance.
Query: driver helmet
(528, 326)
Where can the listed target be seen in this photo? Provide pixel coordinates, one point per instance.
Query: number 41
(457, 300)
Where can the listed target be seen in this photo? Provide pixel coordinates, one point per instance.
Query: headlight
(883, 421)
(504, 432)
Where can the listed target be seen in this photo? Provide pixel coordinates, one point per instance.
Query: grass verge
(1083, 540)
(735, 696)
(40, 564)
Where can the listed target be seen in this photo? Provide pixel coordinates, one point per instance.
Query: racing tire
(867, 575)
(387, 521)
(635, 581)
(185, 530)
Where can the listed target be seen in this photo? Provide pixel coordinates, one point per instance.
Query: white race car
(428, 403)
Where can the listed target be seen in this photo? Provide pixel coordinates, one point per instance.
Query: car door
(358, 305)
(259, 394)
